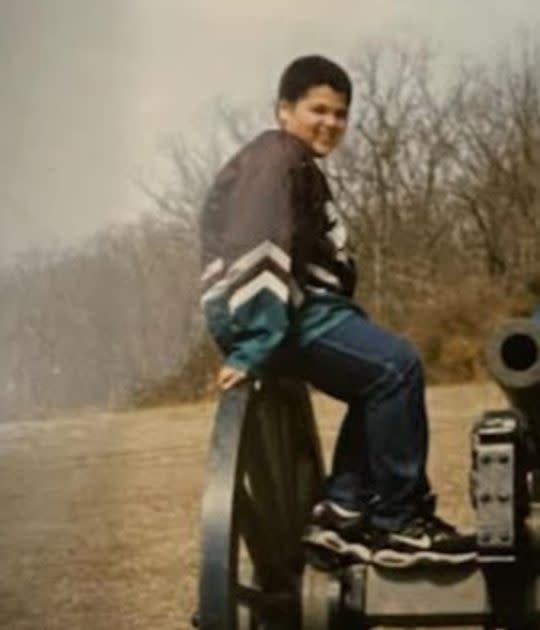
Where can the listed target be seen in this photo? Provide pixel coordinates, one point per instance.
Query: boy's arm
(258, 279)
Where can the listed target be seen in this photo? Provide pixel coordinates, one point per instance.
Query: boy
(277, 286)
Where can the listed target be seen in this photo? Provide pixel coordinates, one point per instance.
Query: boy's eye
(340, 114)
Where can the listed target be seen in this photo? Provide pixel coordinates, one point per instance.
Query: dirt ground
(99, 512)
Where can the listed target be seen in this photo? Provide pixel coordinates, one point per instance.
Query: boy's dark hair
(310, 71)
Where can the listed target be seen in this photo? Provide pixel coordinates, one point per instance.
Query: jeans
(380, 454)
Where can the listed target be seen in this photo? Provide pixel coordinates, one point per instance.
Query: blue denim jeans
(381, 449)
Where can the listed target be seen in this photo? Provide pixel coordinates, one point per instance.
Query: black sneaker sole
(327, 551)
(325, 548)
(393, 559)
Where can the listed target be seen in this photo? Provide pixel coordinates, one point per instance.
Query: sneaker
(425, 540)
(335, 537)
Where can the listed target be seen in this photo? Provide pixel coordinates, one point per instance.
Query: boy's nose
(331, 121)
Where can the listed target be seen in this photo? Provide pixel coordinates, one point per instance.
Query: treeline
(97, 325)
(439, 181)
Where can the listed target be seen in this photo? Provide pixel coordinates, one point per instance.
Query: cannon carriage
(265, 472)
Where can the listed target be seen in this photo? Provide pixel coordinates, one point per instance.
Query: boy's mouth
(326, 139)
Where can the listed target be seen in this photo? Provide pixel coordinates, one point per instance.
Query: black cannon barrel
(513, 359)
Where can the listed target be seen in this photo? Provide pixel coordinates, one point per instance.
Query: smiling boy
(277, 283)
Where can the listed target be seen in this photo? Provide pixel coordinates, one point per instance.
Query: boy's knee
(405, 358)
(411, 358)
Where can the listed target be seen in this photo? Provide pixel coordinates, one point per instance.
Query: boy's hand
(229, 377)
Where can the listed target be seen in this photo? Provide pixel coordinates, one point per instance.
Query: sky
(92, 92)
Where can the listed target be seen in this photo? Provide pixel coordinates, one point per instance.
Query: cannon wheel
(265, 472)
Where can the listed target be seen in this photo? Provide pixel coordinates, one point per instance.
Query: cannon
(265, 471)
(513, 358)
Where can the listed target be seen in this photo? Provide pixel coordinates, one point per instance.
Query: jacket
(272, 243)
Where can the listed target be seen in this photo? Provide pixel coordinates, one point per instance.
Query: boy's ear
(282, 111)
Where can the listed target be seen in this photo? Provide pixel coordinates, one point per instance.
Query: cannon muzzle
(513, 359)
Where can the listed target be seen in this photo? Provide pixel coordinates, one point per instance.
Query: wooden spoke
(271, 444)
(258, 543)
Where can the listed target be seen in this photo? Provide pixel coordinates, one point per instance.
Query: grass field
(99, 511)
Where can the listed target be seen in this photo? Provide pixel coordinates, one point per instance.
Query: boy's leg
(380, 454)
(350, 482)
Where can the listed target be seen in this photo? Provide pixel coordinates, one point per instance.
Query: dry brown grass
(99, 519)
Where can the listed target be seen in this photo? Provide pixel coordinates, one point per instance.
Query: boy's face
(318, 118)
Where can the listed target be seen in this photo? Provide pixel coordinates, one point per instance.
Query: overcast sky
(92, 89)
